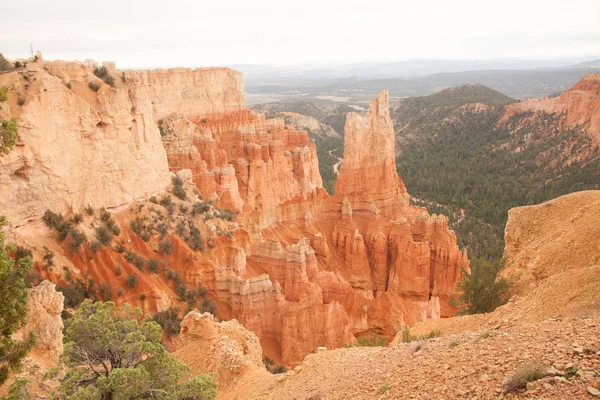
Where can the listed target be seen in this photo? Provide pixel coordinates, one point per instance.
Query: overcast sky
(152, 33)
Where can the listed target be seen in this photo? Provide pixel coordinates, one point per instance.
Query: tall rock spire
(368, 176)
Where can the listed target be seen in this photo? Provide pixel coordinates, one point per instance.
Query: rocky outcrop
(80, 147)
(559, 235)
(580, 106)
(44, 319)
(224, 349)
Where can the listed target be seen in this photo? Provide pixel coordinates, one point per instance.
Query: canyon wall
(579, 104)
(299, 268)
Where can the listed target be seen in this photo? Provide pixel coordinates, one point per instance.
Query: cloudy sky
(152, 33)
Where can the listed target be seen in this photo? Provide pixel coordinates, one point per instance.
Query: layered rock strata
(299, 268)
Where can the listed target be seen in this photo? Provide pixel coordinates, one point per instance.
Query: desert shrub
(120, 248)
(123, 78)
(385, 387)
(69, 85)
(21, 101)
(105, 291)
(77, 239)
(3, 93)
(8, 135)
(165, 246)
(226, 215)
(166, 200)
(169, 320)
(518, 380)
(407, 337)
(178, 189)
(135, 259)
(118, 271)
(94, 86)
(162, 228)
(103, 235)
(48, 258)
(77, 292)
(131, 281)
(95, 246)
(161, 128)
(143, 296)
(372, 340)
(208, 306)
(152, 265)
(89, 210)
(195, 239)
(200, 207)
(77, 218)
(120, 292)
(103, 74)
(280, 369)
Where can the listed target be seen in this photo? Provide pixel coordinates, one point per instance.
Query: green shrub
(208, 306)
(178, 189)
(94, 86)
(372, 340)
(518, 380)
(407, 337)
(131, 281)
(103, 235)
(152, 265)
(77, 218)
(8, 135)
(21, 101)
(169, 320)
(103, 74)
(482, 290)
(77, 239)
(90, 210)
(3, 93)
(165, 246)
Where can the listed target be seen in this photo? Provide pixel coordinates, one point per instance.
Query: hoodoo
(299, 268)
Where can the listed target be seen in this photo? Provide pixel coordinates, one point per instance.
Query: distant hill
(475, 162)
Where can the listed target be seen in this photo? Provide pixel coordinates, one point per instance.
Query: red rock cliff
(579, 104)
(299, 268)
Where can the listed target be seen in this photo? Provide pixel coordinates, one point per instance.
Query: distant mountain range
(356, 83)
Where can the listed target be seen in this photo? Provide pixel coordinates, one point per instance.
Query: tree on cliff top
(13, 307)
(113, 353)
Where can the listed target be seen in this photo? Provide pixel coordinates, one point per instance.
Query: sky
(147, 34)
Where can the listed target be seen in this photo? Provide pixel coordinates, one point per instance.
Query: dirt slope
(471, 365)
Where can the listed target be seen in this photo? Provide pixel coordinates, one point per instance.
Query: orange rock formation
(301, 269)
(579, 104)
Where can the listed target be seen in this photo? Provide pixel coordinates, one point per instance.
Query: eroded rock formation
(579, 104)
(299, 268)
(225, 349)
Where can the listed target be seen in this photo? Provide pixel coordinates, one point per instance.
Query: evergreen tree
(13, 307)
(113, 353)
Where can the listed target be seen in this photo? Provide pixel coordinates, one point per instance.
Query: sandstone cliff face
(556, 236)
(44, 319)
(579, 104)
(77, 147)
